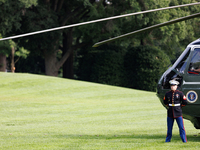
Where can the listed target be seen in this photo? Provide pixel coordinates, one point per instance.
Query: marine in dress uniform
(175, 100)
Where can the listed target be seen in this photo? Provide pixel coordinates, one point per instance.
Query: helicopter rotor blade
(98, 20)
(147, 29)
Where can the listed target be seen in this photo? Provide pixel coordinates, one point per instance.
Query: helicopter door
(191, 78)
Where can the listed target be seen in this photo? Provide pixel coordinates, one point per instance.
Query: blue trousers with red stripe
(170, 123)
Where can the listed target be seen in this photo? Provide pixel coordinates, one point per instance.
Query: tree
(174, 38)
(11, 13)
(18, 52)
(48, 14)
(10, 48)
(4, 52)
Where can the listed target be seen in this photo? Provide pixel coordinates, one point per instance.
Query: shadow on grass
(193, 138)
(158, 137)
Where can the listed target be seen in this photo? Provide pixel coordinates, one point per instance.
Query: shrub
(103, 65)
(144, 65)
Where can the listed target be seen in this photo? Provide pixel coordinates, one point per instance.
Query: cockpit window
(194, 67)
(173, 72)
(182, 64)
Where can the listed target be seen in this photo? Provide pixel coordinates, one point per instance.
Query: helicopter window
(179, 66)
(194, 67)
(182, 65)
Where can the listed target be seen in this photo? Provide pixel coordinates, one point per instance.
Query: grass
(48, 113)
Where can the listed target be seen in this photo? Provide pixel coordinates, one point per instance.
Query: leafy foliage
(139, 67)
(144, 65)
(104, 65)
(29, 3)
(11, 13)
(174, 38)
(22, 52)
(5, 48)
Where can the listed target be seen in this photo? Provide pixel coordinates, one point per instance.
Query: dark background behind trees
(135, 62)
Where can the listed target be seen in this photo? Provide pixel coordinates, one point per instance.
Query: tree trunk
(2, 62)
(12, 60)
(50, 63)
(68, 69)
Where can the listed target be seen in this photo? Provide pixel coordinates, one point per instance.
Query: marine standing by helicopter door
(175, 100)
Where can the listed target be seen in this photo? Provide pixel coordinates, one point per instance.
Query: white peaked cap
(174, 82)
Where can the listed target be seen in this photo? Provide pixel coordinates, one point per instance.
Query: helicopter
(183, 70)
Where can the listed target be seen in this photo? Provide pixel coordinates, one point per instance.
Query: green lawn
(40, 112)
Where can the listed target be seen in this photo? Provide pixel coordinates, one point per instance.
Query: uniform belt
(174, 104)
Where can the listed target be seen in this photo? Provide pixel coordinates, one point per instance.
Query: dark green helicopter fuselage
(183, 70)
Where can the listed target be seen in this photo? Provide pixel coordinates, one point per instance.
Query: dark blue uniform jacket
(175, 100)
